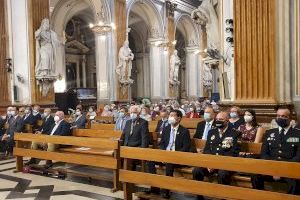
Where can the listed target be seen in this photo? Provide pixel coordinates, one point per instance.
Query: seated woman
(251, 131)
(235, 118)
(106, 112)
(145, 114)
(91, 114)
(192, 113)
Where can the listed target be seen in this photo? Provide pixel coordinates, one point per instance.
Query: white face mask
(13, 113)
(90, 110)
(26, 111)
(46, 114)
(248, 118)
(143, 113)
(172, 120)
(191, 109)
(78, 113)
(133, 116)
(56, 118)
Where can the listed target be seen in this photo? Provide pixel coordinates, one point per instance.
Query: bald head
(60, 114)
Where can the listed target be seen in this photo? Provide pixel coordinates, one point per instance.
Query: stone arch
(188, 29)
(149, 13)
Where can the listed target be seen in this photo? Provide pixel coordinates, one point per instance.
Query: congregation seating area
(99, 146)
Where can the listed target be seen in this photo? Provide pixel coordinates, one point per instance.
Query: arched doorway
(144, 23)
(188, 50)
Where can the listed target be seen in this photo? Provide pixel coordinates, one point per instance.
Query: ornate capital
(170, 7)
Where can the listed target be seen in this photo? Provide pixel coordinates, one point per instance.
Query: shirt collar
(286, 129)
(56, 123)
(176, 127)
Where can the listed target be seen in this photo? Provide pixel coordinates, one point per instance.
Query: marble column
(283, 55)
(84, 70)
(192, 71)
(158, 83)
(102, 69)
(19, 50)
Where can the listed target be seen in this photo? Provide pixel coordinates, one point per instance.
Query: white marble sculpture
(206, 15)
(46, 45)
(174, 68)
(125, 64)
(207, 76)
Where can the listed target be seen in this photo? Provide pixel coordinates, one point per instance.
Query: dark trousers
(258, 182)
(224, 177)
(169, 171)
(7, 145)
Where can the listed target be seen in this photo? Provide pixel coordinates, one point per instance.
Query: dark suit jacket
(47, 125)
(182, 141)
(214, 143)
(139, 136)
(159, 124)
(286, 148)
(80, 123)
(63, 129)
(15, 125)
(29, 120)
(200, 129)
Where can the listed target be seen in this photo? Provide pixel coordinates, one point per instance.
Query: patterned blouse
(248, 135)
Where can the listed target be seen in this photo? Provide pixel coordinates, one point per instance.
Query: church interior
(142, 99)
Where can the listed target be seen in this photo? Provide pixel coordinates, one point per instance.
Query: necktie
(281, 135)
(207, 128)
(162, 126)
(171, 140)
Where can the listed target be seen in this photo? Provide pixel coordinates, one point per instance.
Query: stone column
(102, 69)
(158, 81)
(192, 71)
(84, 70)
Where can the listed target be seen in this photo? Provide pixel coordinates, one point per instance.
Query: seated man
(220, 141)
(135, 132)
(60, 128)
(174, 138)
(28, 117)
(15, 124)
(80, 120)
(282, 144)
(204, 126)
(48, 122)
(122, 119)
(163, 122)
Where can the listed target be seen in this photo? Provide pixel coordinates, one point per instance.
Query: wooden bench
(245, 165)
(102, 126)
(107, 120)
(105, 157)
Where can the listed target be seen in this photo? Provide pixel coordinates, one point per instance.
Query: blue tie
(205, 133)
(171, 140)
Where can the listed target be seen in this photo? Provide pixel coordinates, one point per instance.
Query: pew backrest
(94, 133)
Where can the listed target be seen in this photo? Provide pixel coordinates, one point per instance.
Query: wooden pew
(108, 120)
(102, 126)
(245, 165)
(95, 133)
(107, 157)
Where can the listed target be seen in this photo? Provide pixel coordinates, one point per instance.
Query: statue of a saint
(125, 63)
(174, 67)
(46, 45)
(207, 76)
(206, 15)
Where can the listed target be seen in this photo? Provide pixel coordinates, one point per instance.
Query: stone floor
(37, 187)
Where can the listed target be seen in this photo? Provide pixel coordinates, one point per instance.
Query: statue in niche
(207, 76)
(174, 68)
(125, 64)
(206, 15)
(46, 46)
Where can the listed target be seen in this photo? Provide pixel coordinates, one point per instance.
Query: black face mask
(282, 122)
(219, 124)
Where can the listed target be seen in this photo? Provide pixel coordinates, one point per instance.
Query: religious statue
(46, 46)
(207, 76)
(206, 15)
(125, 64)
(174, 68)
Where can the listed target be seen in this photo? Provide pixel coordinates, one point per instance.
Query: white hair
(135, 108)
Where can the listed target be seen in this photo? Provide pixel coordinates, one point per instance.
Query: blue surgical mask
(207, 117)
(121, 114)
(233, 115)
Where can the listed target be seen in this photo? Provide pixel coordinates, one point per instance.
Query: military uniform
(281, 145)
(225, 144)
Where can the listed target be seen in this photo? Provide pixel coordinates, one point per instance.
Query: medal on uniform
(213, 137)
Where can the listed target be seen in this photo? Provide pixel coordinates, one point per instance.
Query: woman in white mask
(145, 114)
(251, 131)
(192, 112)
(235, 120)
